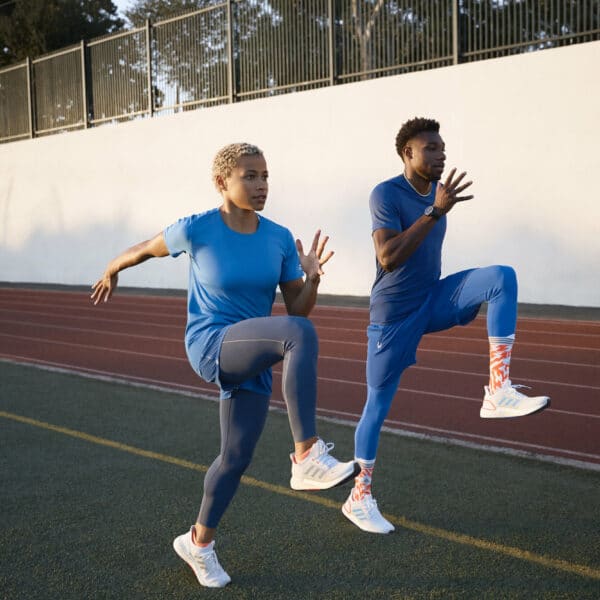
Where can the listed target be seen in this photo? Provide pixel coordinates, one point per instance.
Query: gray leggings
(249, 347)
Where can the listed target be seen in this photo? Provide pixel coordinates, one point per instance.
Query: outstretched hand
(103, 289)
(313, 261)
(447, 194)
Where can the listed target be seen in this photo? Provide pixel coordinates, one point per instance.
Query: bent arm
(300, 296)
(105, 286)
(394, 248)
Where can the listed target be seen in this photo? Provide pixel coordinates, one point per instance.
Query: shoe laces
(369, 503)
(208, 560)
(323, 455)
(513, 389)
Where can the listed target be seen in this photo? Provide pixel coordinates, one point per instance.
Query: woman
(237, 260)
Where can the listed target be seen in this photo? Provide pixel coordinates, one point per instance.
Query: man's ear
(407, 152)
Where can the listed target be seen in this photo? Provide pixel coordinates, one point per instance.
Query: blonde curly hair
(228, 157)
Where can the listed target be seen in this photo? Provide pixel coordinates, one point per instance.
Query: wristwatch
(433, 212)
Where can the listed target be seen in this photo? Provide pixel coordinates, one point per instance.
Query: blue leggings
(250, 347)
(455, 300)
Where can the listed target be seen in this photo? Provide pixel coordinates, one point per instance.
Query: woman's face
(247, 186)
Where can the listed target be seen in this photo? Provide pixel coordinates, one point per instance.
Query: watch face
(428, 211)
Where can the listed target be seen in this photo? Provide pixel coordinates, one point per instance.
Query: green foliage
(155, 10)
(35, 27)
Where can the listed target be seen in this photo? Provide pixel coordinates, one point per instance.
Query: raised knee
(302, 329)
(506, 276)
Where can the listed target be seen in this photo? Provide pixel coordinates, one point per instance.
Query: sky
(121, 5)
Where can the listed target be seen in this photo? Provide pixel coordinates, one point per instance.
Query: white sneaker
(508, 402)
(203, 561)
(319, 470)
(365, 514)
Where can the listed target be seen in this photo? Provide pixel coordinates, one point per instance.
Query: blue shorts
(240, 355)
(392, 347)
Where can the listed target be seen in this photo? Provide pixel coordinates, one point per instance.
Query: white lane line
(111, 312)
(276, 370)
(390, 426)
(323, 356)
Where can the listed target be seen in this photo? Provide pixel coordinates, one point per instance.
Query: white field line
(453, 396)
(341, 418)
(394, 425)
(126, 304)
(180, 339)
(102, 319)
(95, 347)
(320, 328)
(135, 311)
(101, 375)
(36, 296)
(469, 373)
(278, 371)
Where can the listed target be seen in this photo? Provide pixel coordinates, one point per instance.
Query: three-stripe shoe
(319, 470)
(507, 402)
(363, 512)
(203, 561)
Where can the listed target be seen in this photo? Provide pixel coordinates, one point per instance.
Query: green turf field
(98, 478)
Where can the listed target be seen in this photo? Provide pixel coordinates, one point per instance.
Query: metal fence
(119, 77)
(15, 107)
(284, 50)
(387, 38)
(60, 94)
(191, 58)
(236, 50)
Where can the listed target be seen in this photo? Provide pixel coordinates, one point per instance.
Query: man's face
(425, 154)
(247, 186)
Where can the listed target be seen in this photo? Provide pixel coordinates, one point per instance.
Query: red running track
(140, 339)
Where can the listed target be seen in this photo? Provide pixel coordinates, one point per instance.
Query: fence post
(149, 64)
(84, 86)
(231, 83)
(455, 33)
(30, 99)
(331, 42)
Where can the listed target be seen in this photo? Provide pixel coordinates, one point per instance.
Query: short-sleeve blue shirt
(233, 276)
(396, 205)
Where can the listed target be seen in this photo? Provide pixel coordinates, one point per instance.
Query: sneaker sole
(311, 485)
(179, 548)
(503, 413)
(359, 524)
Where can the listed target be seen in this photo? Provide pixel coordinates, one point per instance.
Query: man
(409, 299)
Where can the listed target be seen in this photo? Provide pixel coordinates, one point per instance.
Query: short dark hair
(412, 128)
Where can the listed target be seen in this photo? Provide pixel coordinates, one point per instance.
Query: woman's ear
(221, 183)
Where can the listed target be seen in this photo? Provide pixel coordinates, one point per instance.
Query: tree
(183, 72)
(35, 27)
(190, 56)
(163, 9)
(519, 26)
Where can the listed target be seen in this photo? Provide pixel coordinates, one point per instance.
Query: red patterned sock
(362, 482)
(500, 352)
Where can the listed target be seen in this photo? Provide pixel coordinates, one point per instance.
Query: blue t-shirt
(396, 205)
(233, 276)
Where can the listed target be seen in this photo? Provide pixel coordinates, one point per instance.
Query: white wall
(525, 128)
